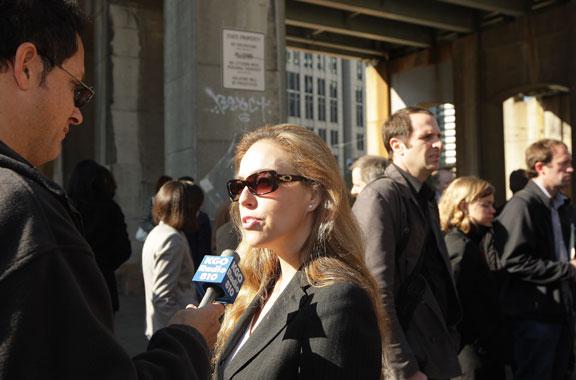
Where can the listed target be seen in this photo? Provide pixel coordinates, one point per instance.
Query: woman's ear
(463, 206)
(314, 199)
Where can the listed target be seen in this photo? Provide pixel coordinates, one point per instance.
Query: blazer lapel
(238, 331)
(284, 309)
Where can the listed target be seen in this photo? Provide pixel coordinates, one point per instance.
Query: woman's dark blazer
(310, 332)
(478, 286)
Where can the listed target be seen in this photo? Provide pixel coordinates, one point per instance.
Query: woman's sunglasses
(264, 182)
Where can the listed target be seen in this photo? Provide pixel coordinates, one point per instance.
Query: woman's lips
(250, 222)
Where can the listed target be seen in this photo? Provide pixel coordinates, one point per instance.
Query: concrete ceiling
(386, 29)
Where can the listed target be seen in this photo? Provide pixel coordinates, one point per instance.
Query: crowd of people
(420, 279)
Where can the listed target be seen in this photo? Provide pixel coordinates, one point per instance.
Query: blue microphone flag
(221, 273)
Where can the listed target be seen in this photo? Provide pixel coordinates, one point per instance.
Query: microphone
(220, 276)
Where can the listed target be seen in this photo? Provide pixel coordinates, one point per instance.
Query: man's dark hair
(90, 183)
(518, 180)
(540, 151)
(51, 25)
(399, 126)
(161, 181)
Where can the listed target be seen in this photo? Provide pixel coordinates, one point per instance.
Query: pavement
(129, 323)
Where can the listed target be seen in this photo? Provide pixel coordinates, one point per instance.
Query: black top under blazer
(328, 332)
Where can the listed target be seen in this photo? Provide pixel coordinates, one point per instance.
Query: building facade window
(308, 61)
(322, 133)
(321, 92)
(293, 94)
(334, 138)
(321, 62)
(333, 111)
(359, 107)
(360, 142)
(360, 71)
(446, 118)
(333, 65)
(296, 57)
(333, 89)
(309, 97)
(333, 92)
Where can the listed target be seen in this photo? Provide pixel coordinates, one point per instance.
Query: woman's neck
(287, 270)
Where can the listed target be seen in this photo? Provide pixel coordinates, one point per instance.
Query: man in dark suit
(405, 251)
(532, 237)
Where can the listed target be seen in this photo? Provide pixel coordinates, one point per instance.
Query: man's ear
(397, 145)
(538, 167)
(27, 65)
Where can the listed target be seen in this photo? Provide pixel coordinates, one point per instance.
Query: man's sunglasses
(82, 93)
(260, 183)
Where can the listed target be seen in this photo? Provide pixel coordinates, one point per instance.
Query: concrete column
(203, 117)
(377, 107)
(133, 136)
(466, 99)
(123, 127)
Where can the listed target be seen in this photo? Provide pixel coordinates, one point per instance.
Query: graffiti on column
(244, 106)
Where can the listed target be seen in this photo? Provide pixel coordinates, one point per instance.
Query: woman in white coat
(167, 265)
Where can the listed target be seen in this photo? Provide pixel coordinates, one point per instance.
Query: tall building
(446, 117)
(326, 94)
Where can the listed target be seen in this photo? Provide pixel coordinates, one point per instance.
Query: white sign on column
(243, 60)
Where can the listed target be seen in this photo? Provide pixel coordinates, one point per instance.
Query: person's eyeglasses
(260, 183)
(82, 93)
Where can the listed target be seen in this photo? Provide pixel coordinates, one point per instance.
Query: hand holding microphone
(205, 320)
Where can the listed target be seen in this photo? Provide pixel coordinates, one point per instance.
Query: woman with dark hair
(92, 189)
(167, 265)
(308, 307)
(148, 222)
(466, 214)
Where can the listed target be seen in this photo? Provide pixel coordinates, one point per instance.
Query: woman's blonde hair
(334, 250)
(462, 190)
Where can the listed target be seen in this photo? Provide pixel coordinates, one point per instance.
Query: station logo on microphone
(223, 272)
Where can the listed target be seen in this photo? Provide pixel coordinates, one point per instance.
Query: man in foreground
(56, 316)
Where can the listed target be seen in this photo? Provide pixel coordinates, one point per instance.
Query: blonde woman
(308, 307)
(466, 214)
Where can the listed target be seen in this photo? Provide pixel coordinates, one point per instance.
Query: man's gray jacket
(391, 217)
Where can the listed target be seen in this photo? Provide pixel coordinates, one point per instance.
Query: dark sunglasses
(260, 183)
(82, 93)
